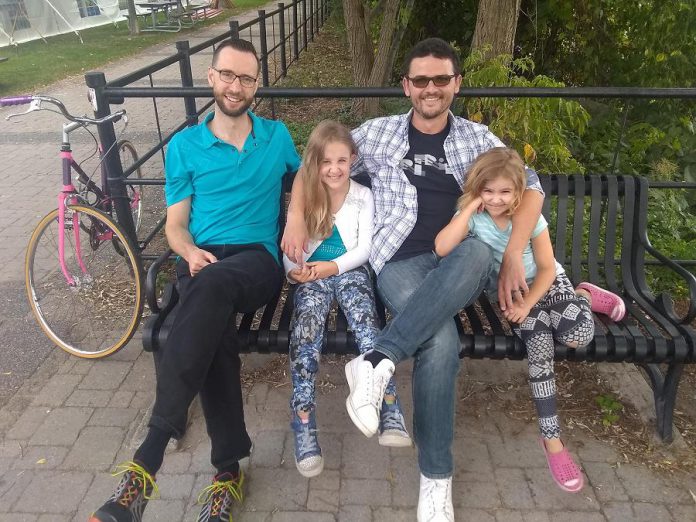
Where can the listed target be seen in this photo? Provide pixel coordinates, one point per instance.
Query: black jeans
(201, 354)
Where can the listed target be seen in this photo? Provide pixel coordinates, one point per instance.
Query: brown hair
(243, 46)
(499, 161)
(317, 200)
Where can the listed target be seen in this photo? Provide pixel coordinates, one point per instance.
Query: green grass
(37, 63)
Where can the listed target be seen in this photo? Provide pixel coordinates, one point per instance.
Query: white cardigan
(354, 221)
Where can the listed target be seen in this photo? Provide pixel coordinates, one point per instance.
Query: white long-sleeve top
(355, 222)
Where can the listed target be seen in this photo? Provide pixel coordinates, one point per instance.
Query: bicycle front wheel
(89, 304)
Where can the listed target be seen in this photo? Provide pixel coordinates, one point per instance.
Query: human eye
(247, 81)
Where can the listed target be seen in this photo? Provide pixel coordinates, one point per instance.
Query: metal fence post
(264, 47)
(183, 47)
(295, 40)
(281, 22)
(234, 30)
(304, 23)
(96, 81)
(311, 20)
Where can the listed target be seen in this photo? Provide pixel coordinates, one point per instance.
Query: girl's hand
(517, 313)
(323, 269)
(301, 275)
(476, 205)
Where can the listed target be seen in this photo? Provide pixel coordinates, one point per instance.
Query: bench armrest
(664, 301)
(151, 281)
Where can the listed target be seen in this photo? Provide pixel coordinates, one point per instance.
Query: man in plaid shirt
(417, 163)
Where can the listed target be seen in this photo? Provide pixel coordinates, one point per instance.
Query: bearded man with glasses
(417, 164)
(223, 188)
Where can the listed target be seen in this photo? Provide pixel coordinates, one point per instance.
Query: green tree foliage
(539, 128)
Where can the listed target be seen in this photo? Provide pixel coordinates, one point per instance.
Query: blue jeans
(423, 294)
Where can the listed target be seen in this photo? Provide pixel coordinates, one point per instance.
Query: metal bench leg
(664, 387)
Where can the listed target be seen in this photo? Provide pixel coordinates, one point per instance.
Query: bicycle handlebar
(23, 100)
(15, 100)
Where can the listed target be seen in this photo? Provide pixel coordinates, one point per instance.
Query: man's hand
(517, 313)
(512, 284)
(295, 240)
(323, 269)
(198, 259)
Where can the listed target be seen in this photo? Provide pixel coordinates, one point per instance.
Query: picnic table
(172, 24)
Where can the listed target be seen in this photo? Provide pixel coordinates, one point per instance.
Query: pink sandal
(605, 302)
(564, 470)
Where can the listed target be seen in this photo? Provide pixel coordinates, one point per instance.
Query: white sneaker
(435, 500)
(367, 385)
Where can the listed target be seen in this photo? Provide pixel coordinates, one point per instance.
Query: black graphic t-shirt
(426, 168)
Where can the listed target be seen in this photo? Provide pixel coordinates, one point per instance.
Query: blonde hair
(317, 200)
(494, 163)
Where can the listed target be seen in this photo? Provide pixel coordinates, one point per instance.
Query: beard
(221, 102)
(430, 112)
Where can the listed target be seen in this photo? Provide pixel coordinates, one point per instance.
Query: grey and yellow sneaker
(129, 500)
(218, 497)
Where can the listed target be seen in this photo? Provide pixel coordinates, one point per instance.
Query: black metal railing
(115, 92)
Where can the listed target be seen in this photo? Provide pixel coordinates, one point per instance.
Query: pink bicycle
(83, 276)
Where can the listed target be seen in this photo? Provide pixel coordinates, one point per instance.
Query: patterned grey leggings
(353, 292)
(566, 317)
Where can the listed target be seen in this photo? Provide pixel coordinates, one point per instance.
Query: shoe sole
(395, 441)
(102, 518)
(349, 406)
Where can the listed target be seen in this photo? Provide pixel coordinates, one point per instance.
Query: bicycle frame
(68, 195)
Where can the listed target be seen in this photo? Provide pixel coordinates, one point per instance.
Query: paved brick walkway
(72, 420)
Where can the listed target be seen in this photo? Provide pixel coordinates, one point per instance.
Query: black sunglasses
(439, 81)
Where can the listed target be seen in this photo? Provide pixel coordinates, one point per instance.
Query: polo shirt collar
(208, 139)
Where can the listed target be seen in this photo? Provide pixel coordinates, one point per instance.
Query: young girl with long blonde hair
(551, 310)
(339, 214)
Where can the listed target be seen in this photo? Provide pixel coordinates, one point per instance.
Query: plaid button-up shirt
(382, 144)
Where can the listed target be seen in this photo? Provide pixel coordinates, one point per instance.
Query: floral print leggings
(354, 294)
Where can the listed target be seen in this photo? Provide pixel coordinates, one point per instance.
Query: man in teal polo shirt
(223, 188)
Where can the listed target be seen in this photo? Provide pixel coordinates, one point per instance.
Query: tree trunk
(133, 28)
(371, 67)
(496, 24)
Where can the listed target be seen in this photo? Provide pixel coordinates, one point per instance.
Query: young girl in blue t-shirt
(551, 309)
(339, 214)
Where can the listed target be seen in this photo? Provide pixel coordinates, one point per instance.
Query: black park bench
(598, 228)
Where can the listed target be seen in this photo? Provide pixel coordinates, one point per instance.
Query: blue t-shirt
(482, 226)
(235, 195)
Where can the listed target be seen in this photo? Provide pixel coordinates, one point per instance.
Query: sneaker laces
(136, 480)
(216, 492)
(436, 493)
(377, 383)
(307, 440)
(392, 419)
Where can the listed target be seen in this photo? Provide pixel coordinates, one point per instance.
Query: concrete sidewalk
(66, 422)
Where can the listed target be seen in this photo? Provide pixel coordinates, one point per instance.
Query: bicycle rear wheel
(96, 313)
(129, 156)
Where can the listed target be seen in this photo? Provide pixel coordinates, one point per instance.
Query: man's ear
(406, 86)
(210, 76)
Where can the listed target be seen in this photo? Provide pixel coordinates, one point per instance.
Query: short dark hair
(436, 47)
(244, 46)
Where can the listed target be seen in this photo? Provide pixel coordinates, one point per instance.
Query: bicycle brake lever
(35, 105)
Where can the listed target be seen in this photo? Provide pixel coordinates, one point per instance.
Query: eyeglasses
(230, 77)
(439, 81)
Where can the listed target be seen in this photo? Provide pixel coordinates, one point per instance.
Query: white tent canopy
(24, 20)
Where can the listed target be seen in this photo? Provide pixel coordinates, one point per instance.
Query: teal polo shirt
(235, 194)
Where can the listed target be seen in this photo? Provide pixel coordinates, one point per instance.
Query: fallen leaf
(41, 461)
